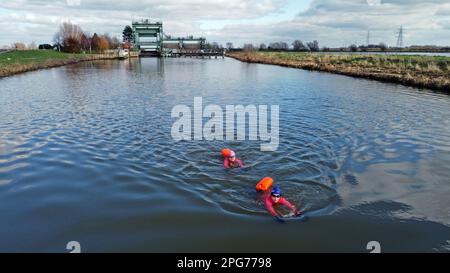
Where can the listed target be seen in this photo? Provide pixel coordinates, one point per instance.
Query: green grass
(413, 70)
(401, 61)
(15, 62)
(34, 57)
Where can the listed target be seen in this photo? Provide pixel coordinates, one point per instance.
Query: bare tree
(68, 37)
(58, 40)
(229, 46)
(115, 43)
(275, 46)
(249, 47)
(313, 46)
(86, 42)
(299, 46)
(72, 44)
(284, 46)
(262, 47)
(279, 46)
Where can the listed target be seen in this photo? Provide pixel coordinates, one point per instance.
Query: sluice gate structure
(149, 40)
(147, 37)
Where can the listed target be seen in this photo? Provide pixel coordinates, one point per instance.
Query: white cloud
(332, 22)
(343, 22)
(179, 17)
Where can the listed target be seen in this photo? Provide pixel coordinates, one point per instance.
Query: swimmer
(232, 162)
(273, 199)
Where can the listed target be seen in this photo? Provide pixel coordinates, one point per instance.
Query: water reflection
(147, 66)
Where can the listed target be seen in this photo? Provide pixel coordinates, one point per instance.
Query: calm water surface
(86, 154)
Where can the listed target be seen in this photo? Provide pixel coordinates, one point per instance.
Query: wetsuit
(236, 164)
(284, 202)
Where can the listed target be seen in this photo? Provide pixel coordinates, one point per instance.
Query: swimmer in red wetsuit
(274, 199)
(232, 162)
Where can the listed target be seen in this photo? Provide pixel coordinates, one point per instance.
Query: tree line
(297, 45)
(71, 38)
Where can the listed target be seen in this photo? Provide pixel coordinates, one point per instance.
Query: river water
(86, 154)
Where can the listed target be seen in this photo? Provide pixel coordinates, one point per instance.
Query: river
(86, 155)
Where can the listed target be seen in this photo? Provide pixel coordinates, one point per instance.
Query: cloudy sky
(332, 22)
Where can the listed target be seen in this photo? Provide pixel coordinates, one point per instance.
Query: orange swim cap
(264, 184)
(226, 152)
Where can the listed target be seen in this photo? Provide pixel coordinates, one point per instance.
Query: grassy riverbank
(15, 62)
(418, 71)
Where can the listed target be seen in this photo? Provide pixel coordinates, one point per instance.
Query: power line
(400, 37)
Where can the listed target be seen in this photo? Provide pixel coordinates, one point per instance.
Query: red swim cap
(226, 152)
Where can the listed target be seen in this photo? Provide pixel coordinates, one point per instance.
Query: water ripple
(94, 146)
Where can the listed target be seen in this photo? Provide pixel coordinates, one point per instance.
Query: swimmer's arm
(271, 209)
(273, 212)
(289, 205)
(226, 164)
